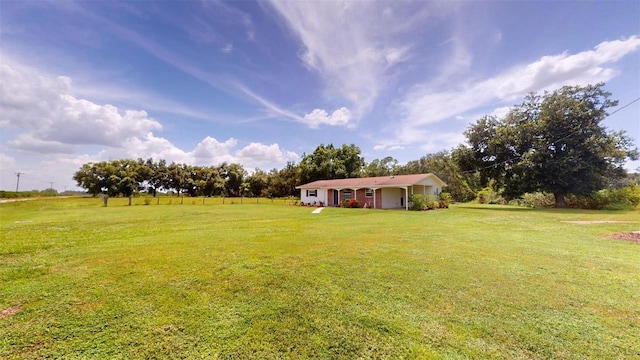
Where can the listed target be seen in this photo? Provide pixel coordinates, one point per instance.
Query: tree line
(126, 177)
(552, 142)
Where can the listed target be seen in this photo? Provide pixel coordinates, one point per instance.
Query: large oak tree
(329, 162)
(553, 143)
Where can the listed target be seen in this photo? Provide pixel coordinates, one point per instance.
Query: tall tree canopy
(127, 177)
(553, 143)
(444, 165)
(384, 167)
(329, 162)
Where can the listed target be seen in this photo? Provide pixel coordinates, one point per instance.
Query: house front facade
(381, 192)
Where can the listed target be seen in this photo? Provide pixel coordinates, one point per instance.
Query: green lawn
(273, 281)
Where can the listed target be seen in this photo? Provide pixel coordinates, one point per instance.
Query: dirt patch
(10, 311)
(633, 236)
(586, 222)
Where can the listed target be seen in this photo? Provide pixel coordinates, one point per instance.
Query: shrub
(536, 200)
(624, 198)
(489, 196)
(432, 202)
(632, 193)
(147, 200)
(353, 203)
(418, 202)
(425, 202)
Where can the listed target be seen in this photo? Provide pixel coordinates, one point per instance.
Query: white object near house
(381, 192)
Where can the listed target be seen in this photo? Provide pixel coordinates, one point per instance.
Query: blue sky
(263, 82)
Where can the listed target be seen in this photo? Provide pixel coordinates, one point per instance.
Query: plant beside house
(445, 200)
(421, 202)
(351, 203)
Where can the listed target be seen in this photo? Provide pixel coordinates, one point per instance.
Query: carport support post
(374, 198)
(406, 198)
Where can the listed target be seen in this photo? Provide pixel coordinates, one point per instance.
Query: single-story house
(381, 192)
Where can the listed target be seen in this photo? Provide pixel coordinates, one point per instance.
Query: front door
(336, 198)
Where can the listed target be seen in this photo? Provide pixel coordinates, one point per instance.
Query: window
(368, 193)
(346, 194)
(313, 193)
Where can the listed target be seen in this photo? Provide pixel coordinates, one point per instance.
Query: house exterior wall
(378, 204)
(385, 198)
(391, 198)
(363, 199)
(360, 195)
(435, 188)
(390, 194)
(320, 196)
(424, 190)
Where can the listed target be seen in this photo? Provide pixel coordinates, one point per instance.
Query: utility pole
(50, 184)
(18, 182)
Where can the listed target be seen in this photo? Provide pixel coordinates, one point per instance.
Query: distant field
(268, 280)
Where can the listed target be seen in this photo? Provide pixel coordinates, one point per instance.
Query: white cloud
(6, 160)
(388, 147)
(439, 141)
(150, 146)
(110, 93)
(27, 142)
(259, 154)
(351, 44)
(212, 152)
(500, 112)
(54, 120)
(457, 63)
(272, 109)
(341, 116)
(209, 151)
(227, 48)
(425, 104)
(426, 141)
(318, 117)
(52, 125)
(497, 37)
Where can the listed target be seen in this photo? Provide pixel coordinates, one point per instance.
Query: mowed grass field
(271, 281)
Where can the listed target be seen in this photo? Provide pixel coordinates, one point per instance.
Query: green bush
(535, 200)
(624, 198)
(421, 202)
(418, 202)
(27, 194)
(489, 196)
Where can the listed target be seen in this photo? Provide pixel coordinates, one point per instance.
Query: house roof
(372, 182)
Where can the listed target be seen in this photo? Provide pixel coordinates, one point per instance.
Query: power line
(622, 107)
